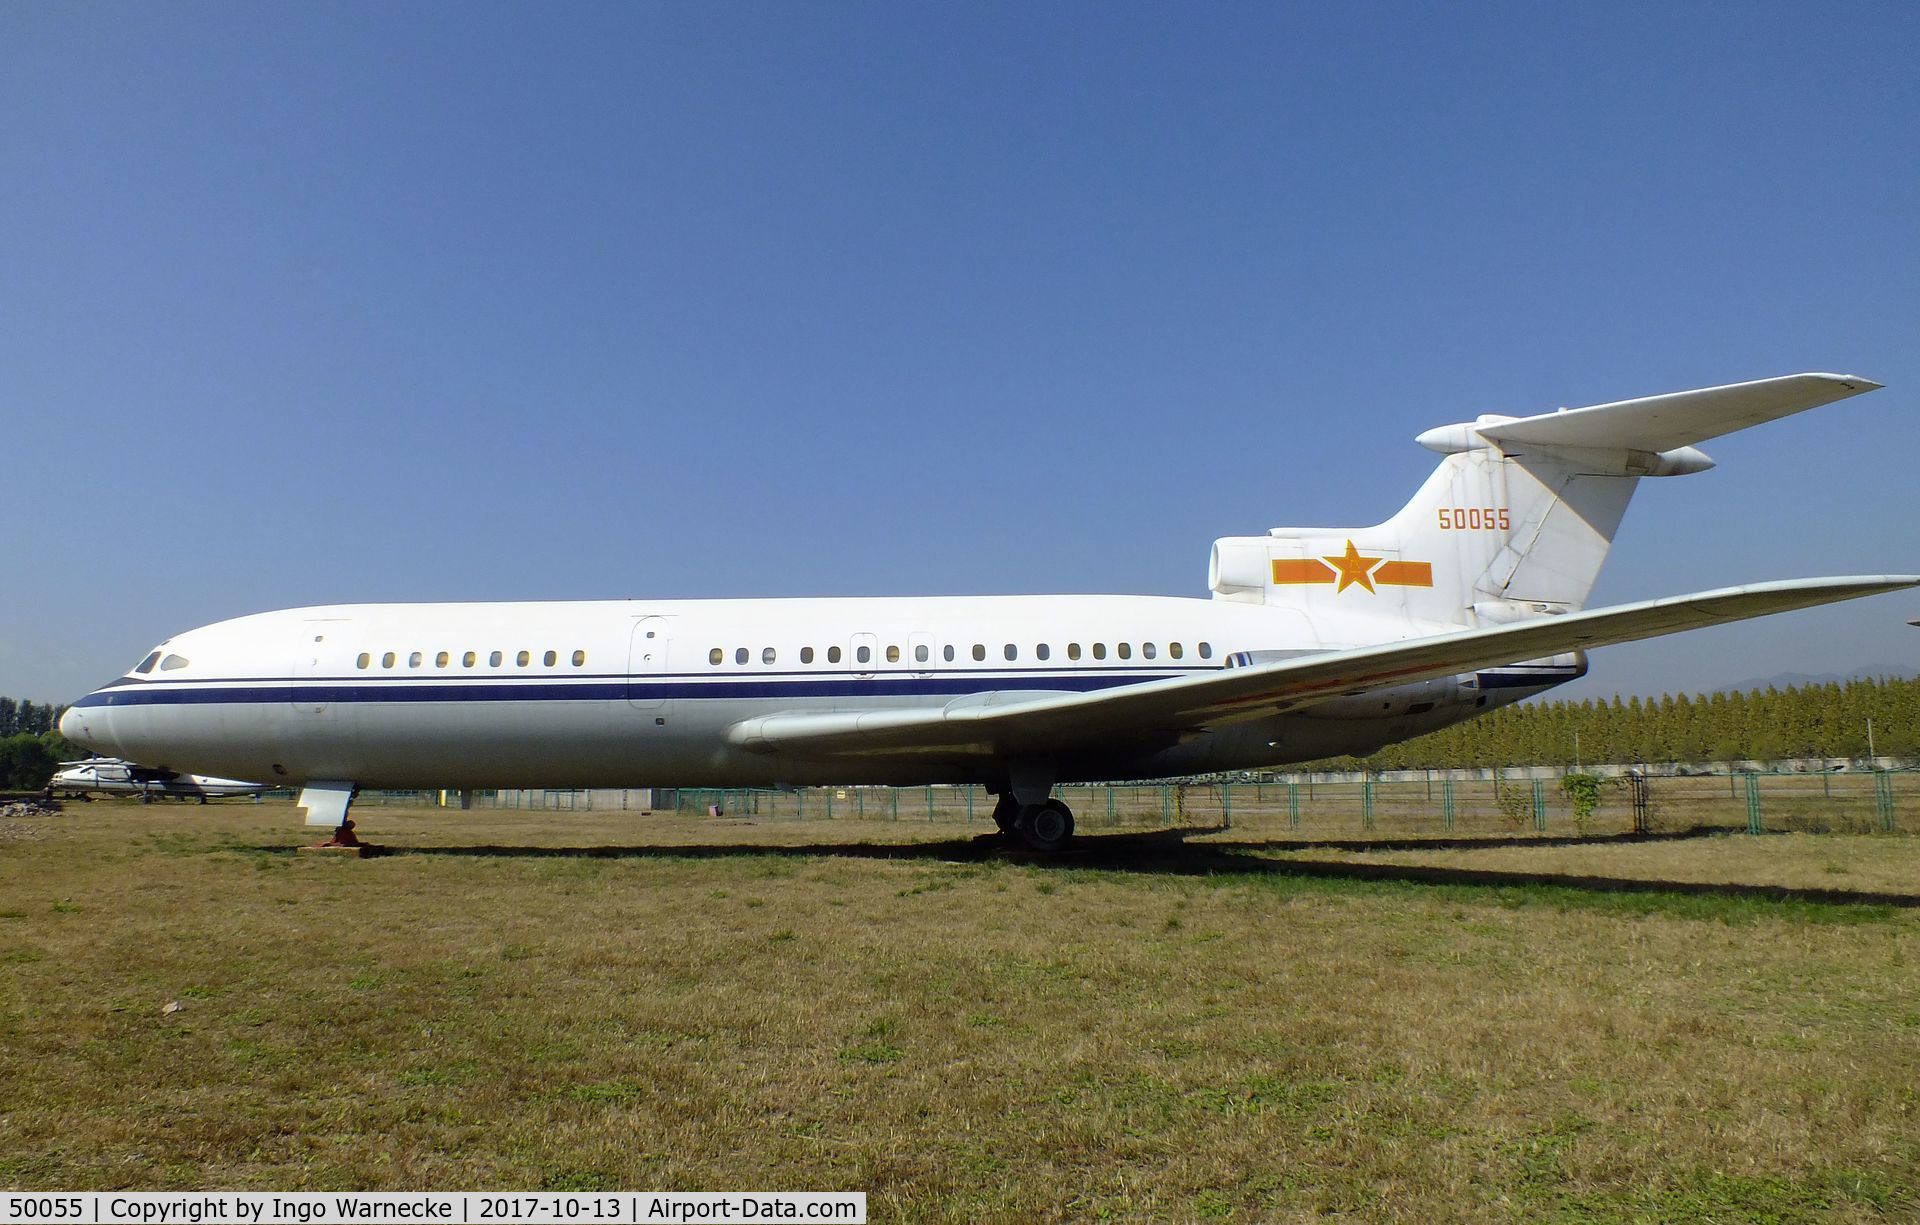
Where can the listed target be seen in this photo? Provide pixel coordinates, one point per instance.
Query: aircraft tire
(1046, 827)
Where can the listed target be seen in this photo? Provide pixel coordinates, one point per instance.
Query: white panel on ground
(326, 803)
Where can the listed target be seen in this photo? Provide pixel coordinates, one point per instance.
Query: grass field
(1212, 1028)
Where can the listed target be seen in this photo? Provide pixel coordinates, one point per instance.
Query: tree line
(33, 718)
(1830, 720)
(31, 746)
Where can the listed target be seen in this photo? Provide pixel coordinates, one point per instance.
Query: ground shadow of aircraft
(1174, 853)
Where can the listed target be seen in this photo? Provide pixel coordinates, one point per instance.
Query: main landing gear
(1046, 826)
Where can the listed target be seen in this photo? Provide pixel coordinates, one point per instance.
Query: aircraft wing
(1036, 726)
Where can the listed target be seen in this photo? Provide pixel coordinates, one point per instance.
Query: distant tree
(26, 762)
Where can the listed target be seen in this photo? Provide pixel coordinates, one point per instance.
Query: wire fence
(1441, 804)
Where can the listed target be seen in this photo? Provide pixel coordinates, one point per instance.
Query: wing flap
(1678, 419)
(1181, 705)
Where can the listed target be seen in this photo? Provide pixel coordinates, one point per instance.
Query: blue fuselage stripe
(602, 690)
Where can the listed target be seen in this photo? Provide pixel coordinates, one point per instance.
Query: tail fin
(1518, 517)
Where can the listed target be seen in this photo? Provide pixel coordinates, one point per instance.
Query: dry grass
(1149, 1031)
(1815, 863)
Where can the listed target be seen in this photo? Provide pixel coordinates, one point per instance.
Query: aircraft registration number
(1475, 519)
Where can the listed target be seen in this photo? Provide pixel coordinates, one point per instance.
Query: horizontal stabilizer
(1183, 705)
(1678, 419)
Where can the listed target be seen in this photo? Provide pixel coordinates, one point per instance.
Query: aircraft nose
(80, 726)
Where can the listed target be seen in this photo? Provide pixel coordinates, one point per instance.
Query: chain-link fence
(1463, 803)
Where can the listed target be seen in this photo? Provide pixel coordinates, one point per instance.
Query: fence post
(1539, 806)
(893, 795)
(860, 802)
(1226, 804)
(1111, 819)
(1446, 802)
(969, 806)
(1293, 805)
(1366, 802)
(1753, 802)
(1883, 799)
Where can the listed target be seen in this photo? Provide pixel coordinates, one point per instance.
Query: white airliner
(1315, 641)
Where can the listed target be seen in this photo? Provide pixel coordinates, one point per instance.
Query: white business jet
(1315, 642)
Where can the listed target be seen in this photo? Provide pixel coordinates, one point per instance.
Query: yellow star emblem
(1353, 568)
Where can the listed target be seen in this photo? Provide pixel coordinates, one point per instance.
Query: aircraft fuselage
(642, 693)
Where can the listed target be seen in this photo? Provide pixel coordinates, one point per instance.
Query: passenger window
(1206, 650)
(1148, 650)
(833, 655)
(767, 656)
(1175, 649)
(363, 661)
(1012, 652)
(715, 656)
(1099, 650)
(386, 661)
(947, 652)
(549, 659)
(979, 652)
(493, 660)
(467, 660)
(920, 653)
(579, 659)
(740, 655)
(413, 660)
(1043, 651)
(864, 654)
(806, 655)
(893, 655)
(1073, 650)
(440, 660)
(146, 665)
(523, 659)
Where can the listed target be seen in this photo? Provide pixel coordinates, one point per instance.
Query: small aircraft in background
(117, 776)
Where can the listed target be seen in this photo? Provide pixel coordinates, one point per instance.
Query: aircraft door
(863, 654)
(647, 663)
(320, 653)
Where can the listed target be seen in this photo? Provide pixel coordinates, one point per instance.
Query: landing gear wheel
(1046, 827)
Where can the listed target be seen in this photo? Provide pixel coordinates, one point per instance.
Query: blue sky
(416, 302)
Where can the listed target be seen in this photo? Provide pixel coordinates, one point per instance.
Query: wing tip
(1853, 383)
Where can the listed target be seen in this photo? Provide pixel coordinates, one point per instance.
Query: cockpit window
(146, 665)
(172, 662)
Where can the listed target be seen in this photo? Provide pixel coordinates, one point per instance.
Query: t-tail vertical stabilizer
(1516, 520)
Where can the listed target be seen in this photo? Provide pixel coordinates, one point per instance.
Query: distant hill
(1800, 680)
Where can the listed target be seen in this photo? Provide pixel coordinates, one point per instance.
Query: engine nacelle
(1240, 569)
